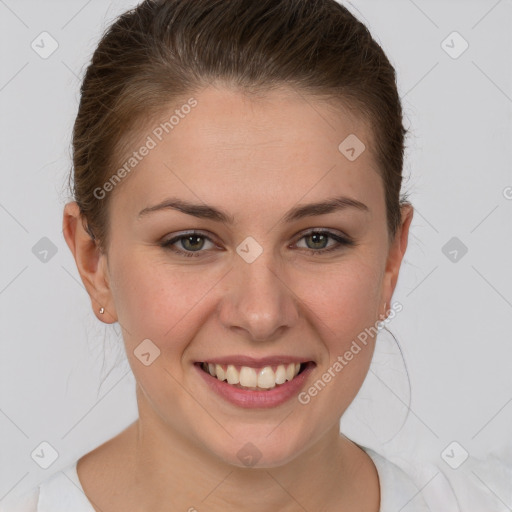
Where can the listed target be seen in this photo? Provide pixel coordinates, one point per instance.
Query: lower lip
(257, 399)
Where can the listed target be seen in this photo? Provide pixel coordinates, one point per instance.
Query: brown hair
(163, 50)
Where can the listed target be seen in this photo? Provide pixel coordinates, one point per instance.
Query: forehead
(281, 145)
(228, 125)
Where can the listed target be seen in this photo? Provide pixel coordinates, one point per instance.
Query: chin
(260, 451)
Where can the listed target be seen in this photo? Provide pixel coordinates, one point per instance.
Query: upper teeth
(265, 378)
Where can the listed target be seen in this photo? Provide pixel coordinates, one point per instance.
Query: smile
(249, 382)
(254, 379)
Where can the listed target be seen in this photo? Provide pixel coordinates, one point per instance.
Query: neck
(167, 469)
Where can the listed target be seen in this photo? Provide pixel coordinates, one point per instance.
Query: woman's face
(251, 288)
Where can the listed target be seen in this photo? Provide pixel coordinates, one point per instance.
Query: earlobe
(90, 262)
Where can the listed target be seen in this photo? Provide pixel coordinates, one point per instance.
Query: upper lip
(241, 360)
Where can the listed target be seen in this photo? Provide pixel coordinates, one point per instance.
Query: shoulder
(27, 502)
(480, 484)
(401, 490)
(61, 492)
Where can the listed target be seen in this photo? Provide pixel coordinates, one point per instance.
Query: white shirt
(63, 492)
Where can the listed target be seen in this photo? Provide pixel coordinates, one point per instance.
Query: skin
(255, 158)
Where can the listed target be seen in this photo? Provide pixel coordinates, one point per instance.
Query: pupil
(190, 239)
(319, 239)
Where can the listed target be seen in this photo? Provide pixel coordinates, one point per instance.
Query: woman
(237, 179)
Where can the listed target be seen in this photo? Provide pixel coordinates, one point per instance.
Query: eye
(320, 238)
(191, 244)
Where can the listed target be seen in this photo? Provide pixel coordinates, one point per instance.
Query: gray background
(64, 378)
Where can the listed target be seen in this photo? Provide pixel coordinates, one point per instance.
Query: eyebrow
(203, 211)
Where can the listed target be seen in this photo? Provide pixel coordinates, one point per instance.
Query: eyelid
(176, 237)
(341, 241)
(329, 231)
(205, 234)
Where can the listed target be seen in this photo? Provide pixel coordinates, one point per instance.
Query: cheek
(343, 300)
(342, 303)
(161, 302)
(156, 300)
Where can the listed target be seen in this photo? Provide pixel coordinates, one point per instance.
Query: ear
(396, 253)
(90, 261)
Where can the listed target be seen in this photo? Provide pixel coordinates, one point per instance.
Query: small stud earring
(102, 310)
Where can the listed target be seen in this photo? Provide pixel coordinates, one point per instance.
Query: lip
(253, 362)
(250, 399)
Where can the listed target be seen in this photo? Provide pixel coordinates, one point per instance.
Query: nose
(259, 300)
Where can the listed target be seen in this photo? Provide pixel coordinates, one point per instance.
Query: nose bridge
(258, 299)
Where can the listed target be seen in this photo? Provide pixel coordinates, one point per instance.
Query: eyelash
(340, 242)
